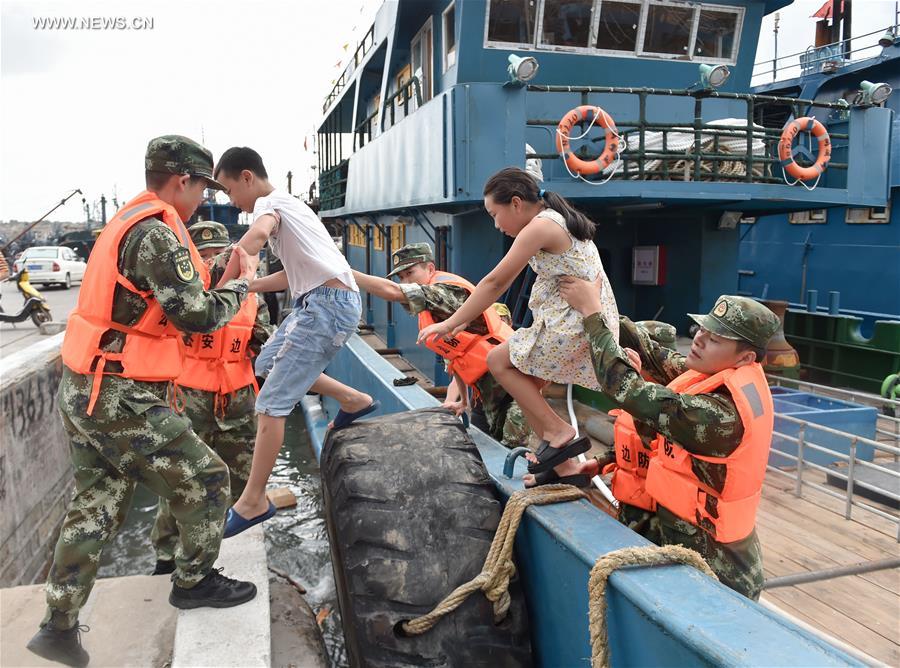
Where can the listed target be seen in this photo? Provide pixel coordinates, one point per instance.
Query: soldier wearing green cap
(418, 291)
(122, 429)
(711, 425)
(226, 423)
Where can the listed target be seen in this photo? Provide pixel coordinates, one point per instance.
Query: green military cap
(661, 332)
(179, 155)
(209, 234)
(741, 319)
(409, 256)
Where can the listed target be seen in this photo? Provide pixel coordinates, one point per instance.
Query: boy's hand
(248, 263)
(583, 296)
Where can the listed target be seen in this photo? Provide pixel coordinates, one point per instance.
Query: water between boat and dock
(296, 538)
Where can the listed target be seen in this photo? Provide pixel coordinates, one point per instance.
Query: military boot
(164, 567)
(60, 646)
(214, 591)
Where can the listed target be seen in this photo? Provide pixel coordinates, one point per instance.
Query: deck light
(713, 76)
(874, 93)
(887, 39)
(521, 70)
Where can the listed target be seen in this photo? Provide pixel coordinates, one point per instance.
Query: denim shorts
(320, 323)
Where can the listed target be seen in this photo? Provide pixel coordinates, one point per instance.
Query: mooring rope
(498, 567)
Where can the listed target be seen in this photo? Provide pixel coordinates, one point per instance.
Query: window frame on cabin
(638, 53)
(871, 218)
(445, 30)
(811, 217)
(427, 92)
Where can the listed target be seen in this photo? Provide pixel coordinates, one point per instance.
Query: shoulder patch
(184, 268)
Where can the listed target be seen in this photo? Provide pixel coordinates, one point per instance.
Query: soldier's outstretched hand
(248, 262)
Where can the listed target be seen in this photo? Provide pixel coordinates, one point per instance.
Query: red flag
(305, 139)
(826, 11)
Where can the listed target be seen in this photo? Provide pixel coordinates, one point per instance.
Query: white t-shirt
(303, 245)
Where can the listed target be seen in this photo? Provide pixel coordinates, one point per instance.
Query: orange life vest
(153, 349)
(730, 514)
(632, 460)
(466, 352)
(218, 362)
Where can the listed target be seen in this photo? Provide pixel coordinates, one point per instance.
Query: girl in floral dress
(555, 240)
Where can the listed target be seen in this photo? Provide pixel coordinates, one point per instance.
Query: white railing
(813, 59)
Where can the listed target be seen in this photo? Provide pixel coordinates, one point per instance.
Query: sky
(78, 106)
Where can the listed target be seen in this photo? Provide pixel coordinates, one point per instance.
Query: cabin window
(421, 48)
(398, 236)
(566, 23)
(377, 239)
(511, 22)
(618, 27)
(668, 30)
(813, 217)
(448, 35)
(716, 34)
(356, 236)
(872, 214)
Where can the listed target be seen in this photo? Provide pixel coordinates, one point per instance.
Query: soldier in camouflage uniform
(704, 424)
(132, 435)
(228, 428)
(414, 264)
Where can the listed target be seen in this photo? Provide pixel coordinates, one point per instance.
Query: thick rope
(498, 567)
(629, 556)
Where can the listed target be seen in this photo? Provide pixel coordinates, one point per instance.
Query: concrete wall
(35, 469)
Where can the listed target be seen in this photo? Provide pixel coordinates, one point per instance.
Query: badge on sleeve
(184, 268)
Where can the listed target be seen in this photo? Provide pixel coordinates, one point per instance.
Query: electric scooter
(35, 306)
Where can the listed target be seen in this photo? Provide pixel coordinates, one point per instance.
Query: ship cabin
(440, 94)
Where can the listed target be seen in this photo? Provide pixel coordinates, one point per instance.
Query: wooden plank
(814, 612)
(871, 605)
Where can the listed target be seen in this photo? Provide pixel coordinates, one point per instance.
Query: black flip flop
(551, 477)
(549, 457)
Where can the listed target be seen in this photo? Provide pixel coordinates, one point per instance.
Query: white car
(51, 264)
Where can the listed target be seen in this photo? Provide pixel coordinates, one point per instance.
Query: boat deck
(800, 535)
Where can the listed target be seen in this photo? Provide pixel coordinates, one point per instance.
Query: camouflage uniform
(133, 435)
(229, 429)
(703, 424)
(505, 420)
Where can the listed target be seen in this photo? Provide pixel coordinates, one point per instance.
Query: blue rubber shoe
(235, 524)
(343, 419)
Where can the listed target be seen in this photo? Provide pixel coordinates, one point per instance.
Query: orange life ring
(587, 113)
(786, 143)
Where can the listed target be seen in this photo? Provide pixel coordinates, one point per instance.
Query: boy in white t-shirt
(326, 313)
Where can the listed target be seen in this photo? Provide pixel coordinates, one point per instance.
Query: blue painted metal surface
(834, 413)
(667, 616)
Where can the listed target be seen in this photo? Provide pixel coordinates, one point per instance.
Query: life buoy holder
(596, 116)
(786, 144)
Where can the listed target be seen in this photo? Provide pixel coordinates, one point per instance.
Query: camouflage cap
(209, 234)
(179, 155)
(741, 319)
(409, 256)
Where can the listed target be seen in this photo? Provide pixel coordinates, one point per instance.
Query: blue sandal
(235, 524)
(344, 419)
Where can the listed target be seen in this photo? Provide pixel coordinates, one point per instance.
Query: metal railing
(803, 441)
(889, 408)
(817, 59)
(410, 90)
(333, 186)
(364, 46)
(701, 151)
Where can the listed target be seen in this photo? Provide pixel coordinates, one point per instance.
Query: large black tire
(411, 513)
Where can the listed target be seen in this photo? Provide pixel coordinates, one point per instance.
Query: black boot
(164, 567)
(214, 591)
(60, 646)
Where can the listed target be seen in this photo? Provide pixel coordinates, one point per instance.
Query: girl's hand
(440, 329)
(456, 406)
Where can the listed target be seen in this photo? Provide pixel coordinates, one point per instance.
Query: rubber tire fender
(411, 513)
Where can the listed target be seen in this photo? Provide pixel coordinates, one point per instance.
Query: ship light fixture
(887, 39)
(713, 76)
(874, 93)
(521, 70)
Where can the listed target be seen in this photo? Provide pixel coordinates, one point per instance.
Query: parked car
(51, 264)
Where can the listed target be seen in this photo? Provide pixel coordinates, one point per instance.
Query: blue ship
(439, 95)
